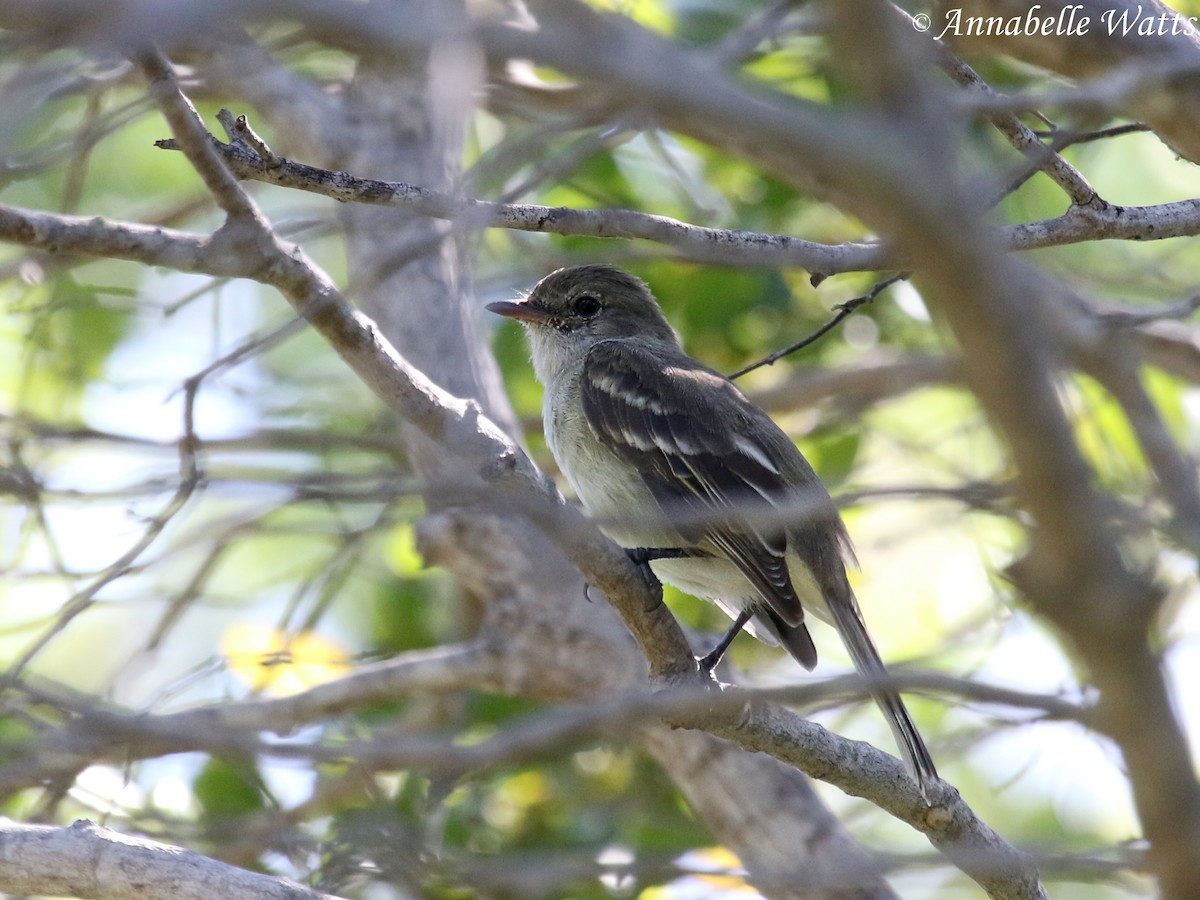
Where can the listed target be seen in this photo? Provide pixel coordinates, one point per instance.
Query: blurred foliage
(226, 791)
(295, 558)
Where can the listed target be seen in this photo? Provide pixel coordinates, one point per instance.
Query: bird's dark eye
(586, 305)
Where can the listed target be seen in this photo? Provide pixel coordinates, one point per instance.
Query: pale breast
(609, 488)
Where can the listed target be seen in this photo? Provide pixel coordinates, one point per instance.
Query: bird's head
(571, 309)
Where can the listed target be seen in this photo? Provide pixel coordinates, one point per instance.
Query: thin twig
(844, 311)
(1065, 138)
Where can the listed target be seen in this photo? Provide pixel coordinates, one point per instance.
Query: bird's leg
(709, 661)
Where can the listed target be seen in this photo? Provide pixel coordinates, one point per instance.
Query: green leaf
(228, 790)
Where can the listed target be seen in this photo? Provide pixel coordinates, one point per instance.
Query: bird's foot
(643, 556)
(709, 661)
(712, 658)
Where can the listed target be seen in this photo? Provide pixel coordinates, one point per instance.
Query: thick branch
(91, 862)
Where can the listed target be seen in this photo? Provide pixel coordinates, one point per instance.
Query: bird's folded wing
(687, 431)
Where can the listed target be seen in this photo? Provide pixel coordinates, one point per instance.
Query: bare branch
(95, 863)
(1093, 220)
(190, 132)
(488, 455)
(112, 736)
(1020, 135)
(711, 245)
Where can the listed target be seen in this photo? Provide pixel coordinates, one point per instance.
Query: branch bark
(1092, 220)
(91, 862)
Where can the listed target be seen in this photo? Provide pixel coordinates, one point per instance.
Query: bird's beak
(521, 310)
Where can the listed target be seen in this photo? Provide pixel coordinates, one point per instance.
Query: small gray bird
(677, 464)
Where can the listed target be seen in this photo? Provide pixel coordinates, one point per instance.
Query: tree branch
(717, 246)
(1090, 221)
(91, 862)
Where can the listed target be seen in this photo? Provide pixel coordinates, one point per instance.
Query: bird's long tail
(866, 659)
